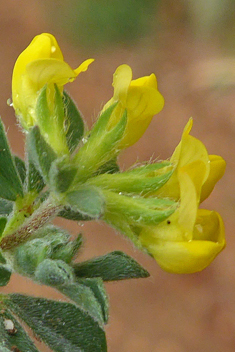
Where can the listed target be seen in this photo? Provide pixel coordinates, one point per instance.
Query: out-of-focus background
(190, 46)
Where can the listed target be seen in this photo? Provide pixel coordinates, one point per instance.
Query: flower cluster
(156, 205)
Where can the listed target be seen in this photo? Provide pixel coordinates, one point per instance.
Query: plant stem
(47, 211)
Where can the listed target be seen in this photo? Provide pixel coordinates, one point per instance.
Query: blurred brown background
(190, 46)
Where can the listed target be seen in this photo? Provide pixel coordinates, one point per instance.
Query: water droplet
(9, 102)
(84, 140)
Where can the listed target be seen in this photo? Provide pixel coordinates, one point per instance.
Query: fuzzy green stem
(47, 211)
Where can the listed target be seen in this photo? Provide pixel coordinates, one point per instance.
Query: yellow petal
(83, 67)
(217, 169)
(190, 149)
(189, 153)
(46, 71)
(121, 82)
(188, 256)
(185, 257)
(148, 81)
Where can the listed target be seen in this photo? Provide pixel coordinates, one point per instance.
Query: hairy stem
(47, 211)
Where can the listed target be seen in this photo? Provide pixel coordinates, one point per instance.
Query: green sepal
(88, 201)
(54, 273)
(50, 118)
(6, 207)
(137, 210)
(100, 147)
(65, 326)
(35, 180)
(89, 297)
(5, 274)
(16, 339)
(20, 165)
(62, 175)
(101, 124)
(143, 181)
(74, 125)
(3, 222)
(111, 167)
(40, 153)
(10, 182)
(111, 267)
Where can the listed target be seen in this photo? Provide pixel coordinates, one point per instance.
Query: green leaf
(40, 153)
(74, 125)
(17, 337)
(10, 183)
(71, 214)
(85, 298)
(6, 207)
(111, 267)
(62, 175)
(63, 326)
(5, 274)
(34, 179)
(97, 287)
(88, 201)
(20, 165)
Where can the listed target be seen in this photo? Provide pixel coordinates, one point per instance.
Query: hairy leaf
(64, 327)
(111, 267)
(14, 338)
(10, 182)
(73, 122)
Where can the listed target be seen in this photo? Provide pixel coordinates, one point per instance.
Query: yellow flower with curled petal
(139, 97)
(39, 64)
(190, 238)
(188, 151)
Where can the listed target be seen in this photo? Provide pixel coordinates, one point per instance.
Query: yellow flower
(139, 97)
(39, 64)
(191, 238)
(189, 151)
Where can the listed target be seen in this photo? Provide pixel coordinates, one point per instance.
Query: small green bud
(68, 251)
(29, 255)
(54, 273)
